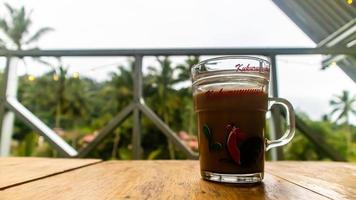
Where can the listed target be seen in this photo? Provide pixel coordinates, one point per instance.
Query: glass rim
(232, 57)
(198, 71)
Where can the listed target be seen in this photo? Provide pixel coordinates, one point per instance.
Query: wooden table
(41, 178)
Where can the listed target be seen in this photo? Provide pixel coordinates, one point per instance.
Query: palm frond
(334, 111)
(353, 99)
(4, 26)
(343, 105)
(39, 34)
(334, 102)
(40, 60)
(18, 26)
(152, 69)
(163, 61)
(353, 112)
(9, 8)
(181, 67)
(44, 62)
(2, 44)
(341, 115)
(22, 13)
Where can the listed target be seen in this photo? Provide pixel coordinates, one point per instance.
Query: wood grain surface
(336, 180)
(16, 170)
(158, 180)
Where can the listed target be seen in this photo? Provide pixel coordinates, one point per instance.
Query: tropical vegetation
(78, 107)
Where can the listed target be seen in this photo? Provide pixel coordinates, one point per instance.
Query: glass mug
(231, 100)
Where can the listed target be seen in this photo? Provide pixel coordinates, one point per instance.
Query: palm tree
(121, 87)
(16, 29)
(165, 100)
(77, 99)
(343, 107)
(55, 80)
(118, 93)
(163, 79)
(188, 118)
(184, 69)
(61, 88)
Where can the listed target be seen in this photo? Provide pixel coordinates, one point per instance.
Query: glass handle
(290, 120)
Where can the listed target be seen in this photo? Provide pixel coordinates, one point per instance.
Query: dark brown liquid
(231, 130)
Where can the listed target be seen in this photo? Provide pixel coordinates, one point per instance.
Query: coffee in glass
(231, 100)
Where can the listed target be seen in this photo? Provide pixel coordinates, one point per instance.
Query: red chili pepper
(234, 137)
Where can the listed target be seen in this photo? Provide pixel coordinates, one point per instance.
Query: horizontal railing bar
(179, 52)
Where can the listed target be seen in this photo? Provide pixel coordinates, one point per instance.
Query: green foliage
(165, 100)
(335, 135)
(77, 107)
(86, 106)
(344, 106)
(125, 153)
(27, 146)
(155, 154)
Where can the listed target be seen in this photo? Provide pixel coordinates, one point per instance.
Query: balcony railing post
(7, 118)
(275, 121)
(137, 82)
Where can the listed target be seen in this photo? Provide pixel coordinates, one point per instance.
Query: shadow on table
(231, 191)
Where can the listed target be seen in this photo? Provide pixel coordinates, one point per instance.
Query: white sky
(185, 23)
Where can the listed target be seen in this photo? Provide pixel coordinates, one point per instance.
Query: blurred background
(78, 97)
